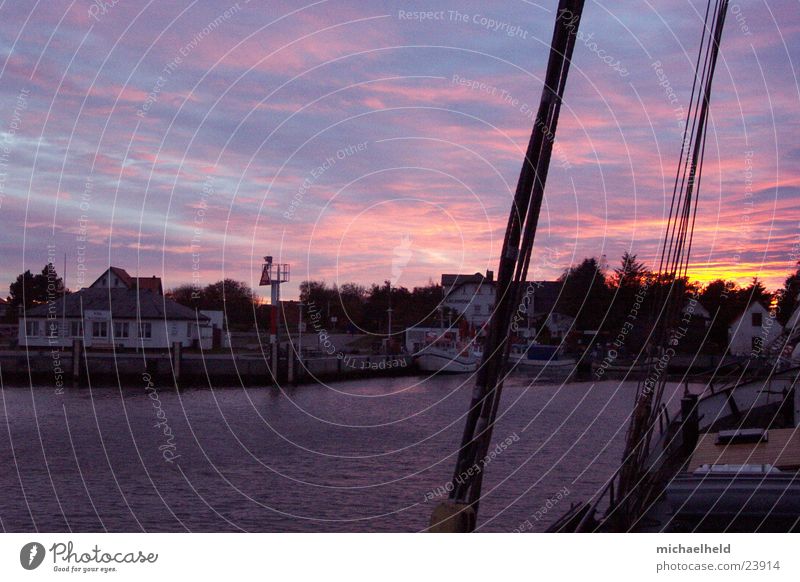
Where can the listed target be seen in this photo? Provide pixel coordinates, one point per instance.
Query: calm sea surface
(355, 456)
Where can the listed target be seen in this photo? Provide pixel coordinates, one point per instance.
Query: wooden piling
(77, 355)
(290, 364)
(177, 348)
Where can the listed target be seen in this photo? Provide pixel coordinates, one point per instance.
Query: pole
(300, 338)
(300, 330)
(275, 294)
(459, 513)
(64, 301)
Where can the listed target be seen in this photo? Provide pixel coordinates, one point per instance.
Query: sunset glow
(333, 135)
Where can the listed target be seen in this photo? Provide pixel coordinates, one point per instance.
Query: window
(76, 328)
(757, 319)
(121, 329)
(32, 328)
(52, 328)
(188, 329)
(145, 330)
(99, 329)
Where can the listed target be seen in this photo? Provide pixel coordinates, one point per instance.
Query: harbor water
(366, 455)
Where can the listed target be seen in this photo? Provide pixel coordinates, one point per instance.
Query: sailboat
(729, 460)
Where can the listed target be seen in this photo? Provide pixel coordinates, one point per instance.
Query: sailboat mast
(459, 513)
(634, 487)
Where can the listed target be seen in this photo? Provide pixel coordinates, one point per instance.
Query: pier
(60, 368)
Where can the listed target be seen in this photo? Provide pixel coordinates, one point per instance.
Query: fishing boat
(442, 350)
(545, 362)
(447, 359)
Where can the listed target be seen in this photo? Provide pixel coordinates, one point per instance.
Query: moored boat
(544, 361)
(446, 360)
(729, 461)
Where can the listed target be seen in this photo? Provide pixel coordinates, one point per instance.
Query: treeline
(28, 290)
(235, 298)
(352, 307)
(597, 298)
(631, 292)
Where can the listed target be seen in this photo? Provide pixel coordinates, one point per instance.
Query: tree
(755, 292)
(585, 294)
(187, 295)
(630, 273)
(720, 299)
(235, 298)
(29, 289)
(788, 296)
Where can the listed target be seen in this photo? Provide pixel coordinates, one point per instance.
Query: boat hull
(445, 363)
(733, 502)
(550, 370)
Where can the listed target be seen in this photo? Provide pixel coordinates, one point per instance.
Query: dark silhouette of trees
(29, 289)
(788, 297)
(357, 308)
(755, 292)
(235, 298)
(631, 273)
(585, 295)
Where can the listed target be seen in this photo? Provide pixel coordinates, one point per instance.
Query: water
(365, 455)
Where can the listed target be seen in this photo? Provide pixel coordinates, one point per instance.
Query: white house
(474, 297)
(753, 331)
(117, 278)
(470, 295)
(115, 311)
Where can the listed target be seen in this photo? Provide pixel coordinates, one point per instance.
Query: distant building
(694, 310)
(472, 296)
(4, 307)
(752, 332)
(117, 278)
(117, 311)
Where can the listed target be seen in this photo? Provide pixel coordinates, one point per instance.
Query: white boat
(542, 360)
(441, 350)
(433, 358)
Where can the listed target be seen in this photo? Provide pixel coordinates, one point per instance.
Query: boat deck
(781, 450)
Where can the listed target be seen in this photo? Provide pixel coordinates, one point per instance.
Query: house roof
(150, 284)
(123, 275)
(144, 283)
(122, 303)
(545, 293)
(697, 309)
(453, 280)
(742, 311)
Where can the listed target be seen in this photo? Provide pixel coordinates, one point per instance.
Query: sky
(373, 141)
